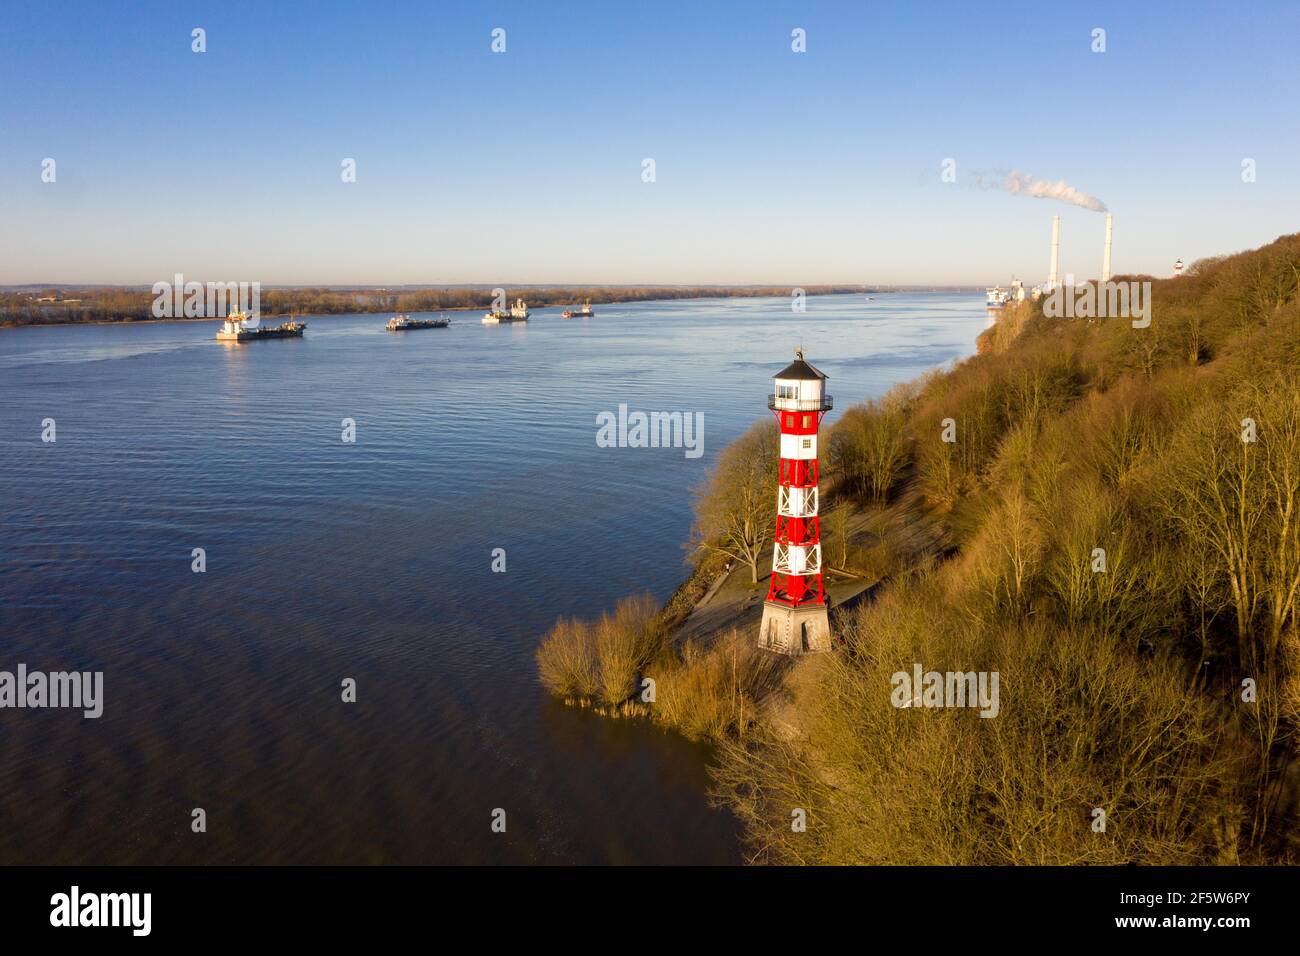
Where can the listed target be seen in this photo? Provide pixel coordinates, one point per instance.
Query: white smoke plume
(1025, 184)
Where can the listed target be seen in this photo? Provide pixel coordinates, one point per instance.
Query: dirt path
(732, 601)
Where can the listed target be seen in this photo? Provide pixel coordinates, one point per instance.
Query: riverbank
(19, 309)
(1052, 517)
(708, 679)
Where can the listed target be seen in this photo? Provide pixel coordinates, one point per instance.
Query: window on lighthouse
(807, 420)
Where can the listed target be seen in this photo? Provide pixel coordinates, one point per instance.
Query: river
(372, 560)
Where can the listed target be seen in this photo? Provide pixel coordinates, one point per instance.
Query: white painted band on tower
(799, 447)
(1105, 256)
(1056, 251)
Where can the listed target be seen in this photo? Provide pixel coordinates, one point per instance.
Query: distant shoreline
(7, 321)
(204, 318)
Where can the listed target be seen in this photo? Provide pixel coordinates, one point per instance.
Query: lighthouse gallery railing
(823, 404)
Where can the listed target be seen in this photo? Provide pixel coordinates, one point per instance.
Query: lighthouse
(794, 614)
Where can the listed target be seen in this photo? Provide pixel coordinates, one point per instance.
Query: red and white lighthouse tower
(794, 615)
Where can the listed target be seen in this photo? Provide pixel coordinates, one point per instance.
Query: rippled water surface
(372, 560)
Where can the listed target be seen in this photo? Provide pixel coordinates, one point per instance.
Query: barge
(401, 323)
(578, 312)
(242, 327)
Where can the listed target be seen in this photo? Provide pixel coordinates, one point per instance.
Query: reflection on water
(328, 560)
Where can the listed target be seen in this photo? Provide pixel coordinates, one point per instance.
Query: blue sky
(771, 166)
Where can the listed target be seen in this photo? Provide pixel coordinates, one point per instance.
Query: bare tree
(1240, 500)
(735, 509)
(867, 448)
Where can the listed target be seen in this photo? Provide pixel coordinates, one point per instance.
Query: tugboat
(518, 313)
(401, 323)
(242, 327)
(578, 313)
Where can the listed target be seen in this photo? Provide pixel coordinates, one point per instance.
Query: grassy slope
(1121, 690)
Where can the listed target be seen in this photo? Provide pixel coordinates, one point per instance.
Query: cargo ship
(401, 323)
(242, 327)
(518, 313)
(584, 312)
(997, 298)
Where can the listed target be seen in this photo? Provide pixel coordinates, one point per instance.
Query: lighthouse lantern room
(795, 620)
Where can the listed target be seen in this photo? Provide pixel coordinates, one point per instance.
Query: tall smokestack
(1056, 251)
(1105, 257)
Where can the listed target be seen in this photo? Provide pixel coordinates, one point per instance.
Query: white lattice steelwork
(797, 559)
(797, 502)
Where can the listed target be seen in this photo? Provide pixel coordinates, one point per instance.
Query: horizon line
(877, 286)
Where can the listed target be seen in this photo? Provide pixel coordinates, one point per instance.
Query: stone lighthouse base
(794, 630)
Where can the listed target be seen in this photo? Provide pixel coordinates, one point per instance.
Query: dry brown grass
(705, 692)
(1083, 724)
(714, 692)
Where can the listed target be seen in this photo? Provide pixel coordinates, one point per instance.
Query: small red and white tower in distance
(1178, 269)
(794, 615)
